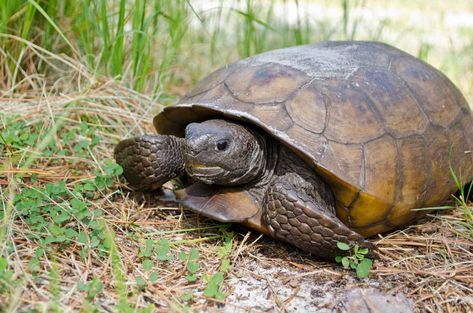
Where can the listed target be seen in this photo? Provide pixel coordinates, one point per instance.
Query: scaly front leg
(151, 160)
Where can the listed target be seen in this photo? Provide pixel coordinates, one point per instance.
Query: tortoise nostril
(195, 138)
(197, 143)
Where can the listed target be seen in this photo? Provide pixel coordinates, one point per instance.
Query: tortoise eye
(222, 145)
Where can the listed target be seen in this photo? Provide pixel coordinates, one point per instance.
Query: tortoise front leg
(301, 211)
(151, 160)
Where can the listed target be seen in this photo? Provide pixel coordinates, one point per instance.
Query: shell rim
(165, 126)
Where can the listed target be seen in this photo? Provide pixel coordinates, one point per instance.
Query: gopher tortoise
(312, 145)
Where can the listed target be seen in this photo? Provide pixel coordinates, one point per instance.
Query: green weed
(462, 201)
(6, 277)
(214, 286)
(92, 288)
(356, 259)
(192, 266)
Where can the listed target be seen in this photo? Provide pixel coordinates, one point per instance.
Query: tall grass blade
(51, 11)
(138, 41)
(53, 24)
(28, 21)
(105, 32)
(117, 53)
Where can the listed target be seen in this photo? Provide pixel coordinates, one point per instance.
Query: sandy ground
(268, 288)
(275, 277)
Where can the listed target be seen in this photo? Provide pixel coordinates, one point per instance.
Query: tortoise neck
(260, 162)
(269, 159)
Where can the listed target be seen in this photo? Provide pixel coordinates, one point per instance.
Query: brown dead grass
(427, 262)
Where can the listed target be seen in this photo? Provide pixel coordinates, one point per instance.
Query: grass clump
(162, 47)
(60, 192)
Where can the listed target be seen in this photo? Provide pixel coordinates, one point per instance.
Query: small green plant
(214, 288)
(191, 263)
(461, 200)
(148, 266)
(92, 288)
(6, 276)
(147, 249)
(356, 260)
(163, 250)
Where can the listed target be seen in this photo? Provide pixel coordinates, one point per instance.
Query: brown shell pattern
(381, 126)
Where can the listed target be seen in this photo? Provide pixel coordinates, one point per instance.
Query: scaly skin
(151, 160)
(301, 211)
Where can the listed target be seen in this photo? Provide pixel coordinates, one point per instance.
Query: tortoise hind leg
(301, 211)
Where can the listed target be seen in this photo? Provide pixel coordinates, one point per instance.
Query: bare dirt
(426, 266)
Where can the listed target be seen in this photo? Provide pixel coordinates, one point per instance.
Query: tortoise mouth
(203, 169)
(203, 172)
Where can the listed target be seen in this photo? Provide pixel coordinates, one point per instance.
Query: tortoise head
(223, 153)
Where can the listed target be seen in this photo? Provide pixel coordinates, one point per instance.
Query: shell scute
(265, 83)
(301, 109)
(415, 172)
(350, 166)
(209, 82)
(350, 118)
(381, 171)
(436, 93)
(398, 109)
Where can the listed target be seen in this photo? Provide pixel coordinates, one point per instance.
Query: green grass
(154, 44)
(66, 213)
(463, 202)
(77, 76)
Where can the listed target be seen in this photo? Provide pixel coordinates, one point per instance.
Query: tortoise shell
(379, 125)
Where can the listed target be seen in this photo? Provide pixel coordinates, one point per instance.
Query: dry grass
(431, 262)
